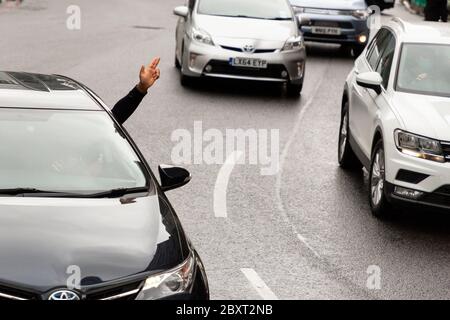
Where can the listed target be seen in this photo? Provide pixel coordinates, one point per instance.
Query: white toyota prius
(257, 40)
(396, 117)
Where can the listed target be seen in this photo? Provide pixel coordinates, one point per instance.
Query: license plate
(249, 63)
(326, 30)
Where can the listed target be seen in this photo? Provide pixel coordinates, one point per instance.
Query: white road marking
(284, 155)
(221, 187)
(259, 285)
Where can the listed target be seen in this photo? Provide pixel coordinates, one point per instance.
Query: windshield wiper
(31, 191)
(117, 193)
(280, 19)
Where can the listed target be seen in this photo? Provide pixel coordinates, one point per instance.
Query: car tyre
(177, 63)
(185, 80)
(357, 51)
(379, 204)
(294, 90)
(347, 157)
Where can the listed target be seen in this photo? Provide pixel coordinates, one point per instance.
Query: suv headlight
(361, 14)
(169, 283)
(202, 36)
(294, 43)
(419, 147)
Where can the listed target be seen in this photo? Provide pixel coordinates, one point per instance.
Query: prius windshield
(256, 9)
(425, 69)
(80, 152)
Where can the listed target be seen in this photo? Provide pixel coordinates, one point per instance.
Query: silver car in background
(240, 39)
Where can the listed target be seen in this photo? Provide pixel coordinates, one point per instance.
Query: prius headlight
(202, 36)
(361, 14)
(294, 43)
(418, 146)
(169, 283)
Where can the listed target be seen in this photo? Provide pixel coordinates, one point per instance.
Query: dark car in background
(82, 217)
(339, 21)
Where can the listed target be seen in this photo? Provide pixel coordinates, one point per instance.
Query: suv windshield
(425, 69)
(79, 152)
(257, 9)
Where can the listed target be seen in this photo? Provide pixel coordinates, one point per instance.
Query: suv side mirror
(303, 20)
(370, 80)
(173, 177)
(182, 11)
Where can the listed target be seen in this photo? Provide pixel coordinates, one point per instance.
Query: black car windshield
(257, 9)
(80, 152)
(425, 69)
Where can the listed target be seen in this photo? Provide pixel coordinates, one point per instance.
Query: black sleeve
(127, 105)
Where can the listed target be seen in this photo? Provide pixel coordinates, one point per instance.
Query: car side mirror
(181, 11)
(370, 80)
(173, 177)
(303, 21)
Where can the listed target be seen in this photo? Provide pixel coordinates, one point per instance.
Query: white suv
(396, 116)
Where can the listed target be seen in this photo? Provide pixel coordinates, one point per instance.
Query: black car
(82, 217)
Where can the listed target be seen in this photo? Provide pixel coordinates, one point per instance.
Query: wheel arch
(377, 136)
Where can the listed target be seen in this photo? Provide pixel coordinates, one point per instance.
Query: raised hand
(149, 75)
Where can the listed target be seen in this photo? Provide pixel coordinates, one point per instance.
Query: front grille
(309, 36)
(256, 51)
(127, 291)
(332, 24)
(8, 293)
(446, 149)
(223, 67)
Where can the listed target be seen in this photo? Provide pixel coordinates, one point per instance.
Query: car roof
(421, 32)
(41, 91)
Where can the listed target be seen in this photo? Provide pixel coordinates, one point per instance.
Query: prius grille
(256, 51)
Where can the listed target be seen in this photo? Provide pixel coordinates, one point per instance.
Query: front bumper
(352, 29)
(439, 200)
(286, 66)
(430, 178)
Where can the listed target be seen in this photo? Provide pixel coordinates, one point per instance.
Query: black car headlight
(418, 146)
(169, 283)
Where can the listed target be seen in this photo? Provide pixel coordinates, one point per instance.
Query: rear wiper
(117, 193)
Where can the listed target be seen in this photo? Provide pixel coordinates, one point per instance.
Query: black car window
(386, 58)
(376, 48)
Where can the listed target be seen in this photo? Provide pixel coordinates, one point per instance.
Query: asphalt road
(306, 233)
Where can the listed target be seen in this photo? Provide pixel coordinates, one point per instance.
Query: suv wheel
(379, 204)
(294, 90)
(347, 158)
(358, 50)
(177, 63)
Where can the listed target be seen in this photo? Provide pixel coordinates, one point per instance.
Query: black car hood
(42, 240)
